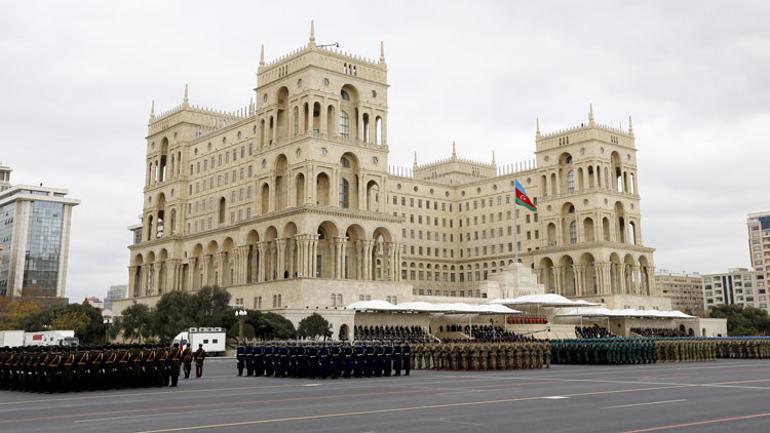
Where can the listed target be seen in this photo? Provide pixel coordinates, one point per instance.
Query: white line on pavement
(650, 403)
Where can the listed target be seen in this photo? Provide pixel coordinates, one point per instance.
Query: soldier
(348, 361)
(406, 354)
(176, 361)
(250, 359)
(397, 359)
(199, 356)
(240, 357)
(387, 358)
(187, 359)
(259, 361)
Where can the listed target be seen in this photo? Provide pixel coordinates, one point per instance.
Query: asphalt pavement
(715, 396)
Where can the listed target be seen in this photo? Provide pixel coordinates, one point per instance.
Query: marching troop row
(62, 369)
(483, 356)
(324, 360)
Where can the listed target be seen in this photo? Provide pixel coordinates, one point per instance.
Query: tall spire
(591, 115)
(493, 157)
(186, 100)
(382, 52)
(630, 126)
(152, 109)
(414, 165)
(454, 151)
(311, 41)
(262, 55)
(537, 127)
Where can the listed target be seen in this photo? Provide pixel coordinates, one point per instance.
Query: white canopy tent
(628, 312)
(545, 300)
(427, 307)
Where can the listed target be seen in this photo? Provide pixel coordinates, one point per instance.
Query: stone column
(322, 117)
(271, 205)
(280, 259)
(261, 262)
(368, 250)
(313, 247)
(291, 249)
(131, 281)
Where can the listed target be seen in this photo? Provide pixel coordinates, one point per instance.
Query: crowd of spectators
(412, 334)
(659, 332)
(593, 332)
(483, 333)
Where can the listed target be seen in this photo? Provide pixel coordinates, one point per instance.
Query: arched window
(222, 210)
(296, 120)
(378, 130)
(572, 233)
(571, 181)
(344, 123)
(344, 192)
(345, 95)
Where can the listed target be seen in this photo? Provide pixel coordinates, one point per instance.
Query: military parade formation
(501, 355)
(64, 369)
(324, 360)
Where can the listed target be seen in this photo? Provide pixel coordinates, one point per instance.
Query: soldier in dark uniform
(268, 356)
(240, 356)
(347, 354)
(187, 359)
(379, 359)
(406, 356)
(176, 361)
(324, 362)
(250, 360)
(335, 352)
(388, 360)
(312, 361)
(397, 359)
(259, 361)
(360, 360)
(200, 356)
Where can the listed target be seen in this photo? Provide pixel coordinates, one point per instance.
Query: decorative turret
(414, 165)
(454, 151)
(311, 41)
(186, 100)
(537, 127)
(152, 110)
(591, 122)
(262, 55)
(630, 126)
(382, 52)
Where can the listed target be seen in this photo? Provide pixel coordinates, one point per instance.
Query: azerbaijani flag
(522, 198)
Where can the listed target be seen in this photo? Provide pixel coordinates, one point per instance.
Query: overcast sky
(77, 78)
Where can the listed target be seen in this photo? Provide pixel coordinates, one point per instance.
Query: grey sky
(77, 78)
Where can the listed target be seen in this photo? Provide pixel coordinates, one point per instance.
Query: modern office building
(34, 233)
(759, 242)
(738, 286)
(685, 290)
(115, 292)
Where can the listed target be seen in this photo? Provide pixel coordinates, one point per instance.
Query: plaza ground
(689, 397)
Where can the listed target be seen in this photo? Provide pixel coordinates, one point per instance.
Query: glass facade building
(34, 235)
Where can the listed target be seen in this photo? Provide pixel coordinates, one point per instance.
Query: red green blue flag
(522, 199)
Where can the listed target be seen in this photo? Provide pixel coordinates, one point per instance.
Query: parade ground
(712, 396)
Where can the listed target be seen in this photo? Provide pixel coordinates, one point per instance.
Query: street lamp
(241, 316)
(107, 322)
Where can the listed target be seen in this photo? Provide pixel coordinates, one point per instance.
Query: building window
(344, 124)
(344, 193)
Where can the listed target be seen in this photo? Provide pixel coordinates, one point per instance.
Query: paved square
(693, 397)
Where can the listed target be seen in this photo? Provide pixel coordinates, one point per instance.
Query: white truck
(50, 338)
(212, 339)
(11, 338)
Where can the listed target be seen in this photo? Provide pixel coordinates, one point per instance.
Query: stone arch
(271, 254)
(617, 172)
(616, 272)
(569, 224)
(590, 285)
(137, 262)
(150, 275)
(210, 263)
(551, 234)
(547, 276)
(646, 273)
(299, 188)
(172, 221)
(606, 229)
(355, 252)
(281, 187)
(348, 181)
(378, 131)
(620, 219)
(349, 100)
(629, 274)
(329, 253)
(222, 210)
(323, 190)
(568, 286)
(160, 215)
(282, 121)
(588, 229)
(372, 196)
(331, 117)
(381, 260)
(632, 233)
(253, 257)
(265, 198)
(289, 263)
(163, 160)
(227, 263)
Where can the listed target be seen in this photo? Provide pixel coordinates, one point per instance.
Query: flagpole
(515, 230)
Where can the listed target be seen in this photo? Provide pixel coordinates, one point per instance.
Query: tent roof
(628, 312)
(545, 300)
(429, 307)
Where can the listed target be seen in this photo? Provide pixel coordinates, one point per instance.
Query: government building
(291, 203)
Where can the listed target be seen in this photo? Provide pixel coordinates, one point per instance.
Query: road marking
(644, 404)
(556, 397)
(118, 418)
(699, 423)
(312, 384)
(393, 410)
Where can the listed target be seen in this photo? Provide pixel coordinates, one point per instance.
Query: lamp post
(241, 316)
(107, 322)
